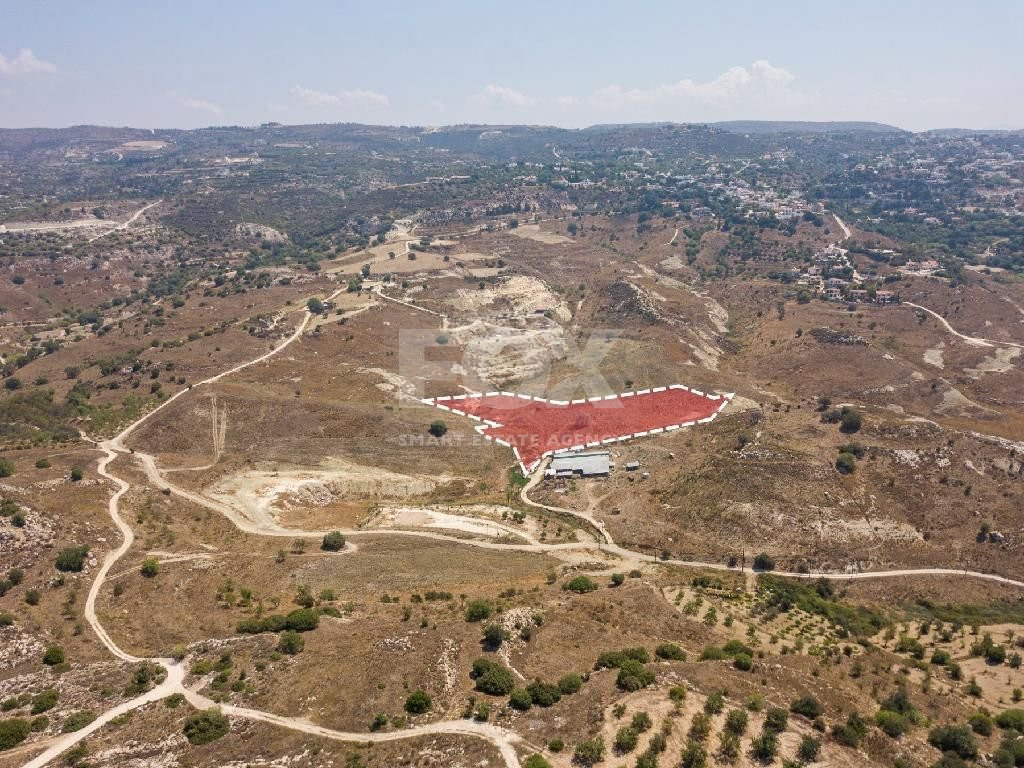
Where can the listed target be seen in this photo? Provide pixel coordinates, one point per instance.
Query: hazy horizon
(916, 66)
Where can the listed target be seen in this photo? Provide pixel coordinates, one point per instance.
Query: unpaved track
(503, 739)
(173, 683)
(974, 341)
(131, 220)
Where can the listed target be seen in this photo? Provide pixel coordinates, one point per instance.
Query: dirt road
(131, 220)
(974, 341)
(503, 739)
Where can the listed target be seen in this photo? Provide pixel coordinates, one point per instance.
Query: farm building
(580, 464)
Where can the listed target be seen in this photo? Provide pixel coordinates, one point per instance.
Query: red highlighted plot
(535, 427)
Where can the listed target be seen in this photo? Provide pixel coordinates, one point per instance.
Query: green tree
(494, 636)
(206, 726)
(72, 559)
(589, 753)
(53, 656)
(6, 468)
(315, 306)
(291, 642)
(333, 542)
(520, 699)
(13, 732)
(150, 567)
(478, 610)
(846, 463)
(438, 428)
(762, 562)
(580, 585)
(418, 703)
(954, 738)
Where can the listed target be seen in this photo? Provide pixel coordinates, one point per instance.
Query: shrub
(42, 464)
(764, 747)
(626, 740)
(333, 542)
(492, 678)
(670, 652)
(641, 722)
(438, 428)
(54, 655)
(543, 694)
(775, 720)
(694, 756)
(850, 733)
(380, 720)
(44, 701)
(743, 662)
(1011, 719)
(206, 726)
(418, 703)
(714, 703)
(520, 699)
(892, 724)
(570, 683)
(478, 610)
(6, 620)
(614, 659)
(72, 559)
(618, 579)
(76, 721)
(981, 723)
(494, 636)
(13, 732)
(850, 421)
(941, 658)
(700, 727)
(77, 474)
(954, 738)
(633, 676)
(150, 567)
(846, 463)
(736, 722)
(6, 468)
(588, 753)
(808, 706)
(174, 701)
(536, 761)
(763, 562)
(580, 585)
(290, 642)
(808, 749)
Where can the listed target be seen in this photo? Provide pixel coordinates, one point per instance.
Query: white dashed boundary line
(481, 429)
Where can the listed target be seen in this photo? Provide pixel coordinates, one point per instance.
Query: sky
(188, 64)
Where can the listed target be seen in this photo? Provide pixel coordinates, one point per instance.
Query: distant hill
(802, 126)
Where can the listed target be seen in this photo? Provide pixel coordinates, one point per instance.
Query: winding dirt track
(503, 739)
(974, 341)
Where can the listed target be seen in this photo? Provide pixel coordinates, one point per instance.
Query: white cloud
(566, 101)
(316, 98)
(762, 81)
(498, 94)
(201, 105)
(25, 63)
